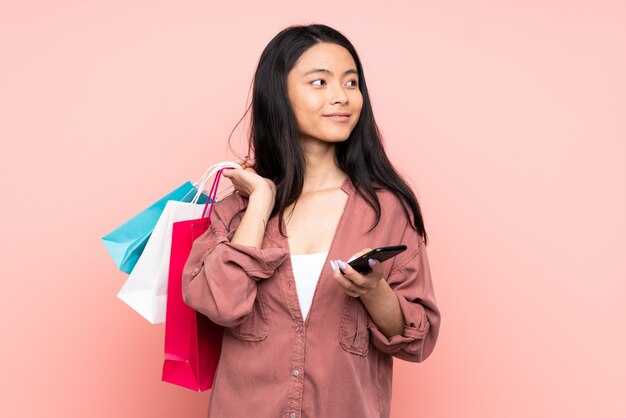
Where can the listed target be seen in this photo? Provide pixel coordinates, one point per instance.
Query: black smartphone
(381, 254)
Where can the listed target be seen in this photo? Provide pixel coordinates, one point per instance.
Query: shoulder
(396, 213)
(390, 203)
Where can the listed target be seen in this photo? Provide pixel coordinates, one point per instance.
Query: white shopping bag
(145, 289)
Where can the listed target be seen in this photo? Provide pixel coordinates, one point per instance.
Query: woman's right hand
(247, 181)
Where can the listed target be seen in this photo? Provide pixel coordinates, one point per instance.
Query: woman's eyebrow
(324, 70)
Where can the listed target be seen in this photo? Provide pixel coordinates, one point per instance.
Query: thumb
(227, 173)
(376, 266)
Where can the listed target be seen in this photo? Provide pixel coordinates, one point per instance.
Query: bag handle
(213, 193)
(200, 184)
(210, 170)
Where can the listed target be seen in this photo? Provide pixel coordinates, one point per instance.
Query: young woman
(305, 334)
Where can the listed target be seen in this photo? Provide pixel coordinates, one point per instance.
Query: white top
(306, 271)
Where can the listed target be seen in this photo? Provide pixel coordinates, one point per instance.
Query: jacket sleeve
(220, 277)
(411, 282)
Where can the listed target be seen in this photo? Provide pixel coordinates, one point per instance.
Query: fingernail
(332, 265)
(342, 265)
(372, 262)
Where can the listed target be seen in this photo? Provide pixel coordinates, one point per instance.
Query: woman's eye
(322, 81)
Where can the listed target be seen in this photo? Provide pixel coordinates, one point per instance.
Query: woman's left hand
(355, 283)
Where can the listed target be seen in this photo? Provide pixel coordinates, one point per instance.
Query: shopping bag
(145, 290)
(126, 242)
(193, 342)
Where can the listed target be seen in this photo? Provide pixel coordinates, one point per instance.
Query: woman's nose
(340, 97)
(338, 94)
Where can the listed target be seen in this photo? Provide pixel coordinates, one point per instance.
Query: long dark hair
(274, 133)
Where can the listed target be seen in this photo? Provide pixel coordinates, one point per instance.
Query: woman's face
(324, 81)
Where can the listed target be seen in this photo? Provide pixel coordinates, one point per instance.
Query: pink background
(508, 118)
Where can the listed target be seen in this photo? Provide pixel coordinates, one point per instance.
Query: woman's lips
(338, 118)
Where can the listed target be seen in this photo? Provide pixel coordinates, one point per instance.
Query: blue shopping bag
(126, 243)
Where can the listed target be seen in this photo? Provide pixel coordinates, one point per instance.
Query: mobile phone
(381, 254)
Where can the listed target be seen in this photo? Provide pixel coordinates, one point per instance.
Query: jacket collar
(347, 185)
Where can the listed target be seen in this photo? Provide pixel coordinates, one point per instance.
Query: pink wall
(507, 116)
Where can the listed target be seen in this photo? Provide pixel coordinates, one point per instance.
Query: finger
(351, 288)
(246, 162)
(227, 172)
(347, 285)
(350, 273)
(366, 281)
(377, 268)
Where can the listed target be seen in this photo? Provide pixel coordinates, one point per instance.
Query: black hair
(274, 134)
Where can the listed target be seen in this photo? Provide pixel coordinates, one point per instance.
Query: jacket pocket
(353, 333)
(256, 325)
